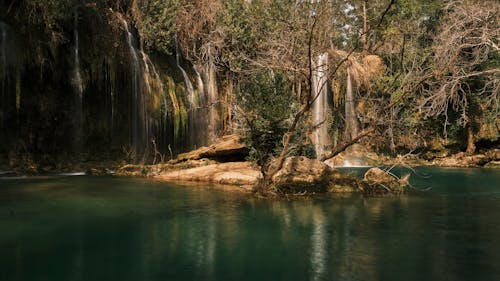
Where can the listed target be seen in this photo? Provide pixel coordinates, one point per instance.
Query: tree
(294, 37)
(156, 23)
(265, 100)
(465, 76)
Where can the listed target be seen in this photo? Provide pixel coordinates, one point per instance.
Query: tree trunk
(365, 30)
(471, 147)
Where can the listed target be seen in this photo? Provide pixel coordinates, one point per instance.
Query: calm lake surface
(111, 228)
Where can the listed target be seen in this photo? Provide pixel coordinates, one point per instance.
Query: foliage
(266, 100)
(462, 75)
(156, 22)
(441, 59)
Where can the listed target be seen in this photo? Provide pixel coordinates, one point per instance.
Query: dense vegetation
(413, 75)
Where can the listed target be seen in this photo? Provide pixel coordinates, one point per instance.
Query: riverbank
(223, 163)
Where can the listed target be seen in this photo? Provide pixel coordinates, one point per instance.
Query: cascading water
(203, 118)
(78, 86)
(212, 99)
(139, 133)
(187, 82)
(199, 81)
(3, 49)
(320, 105)
(155, 92)
(147, 72)
(351, 130)
(77, 80)
(352, 156)
(147, 82)
(4, 76)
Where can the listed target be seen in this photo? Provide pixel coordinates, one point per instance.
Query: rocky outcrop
(300, 174)
(233, 173)
(378, 181)
(344, 183)
(461, 159)
(158, 169)
(377, 175)
(226, 149)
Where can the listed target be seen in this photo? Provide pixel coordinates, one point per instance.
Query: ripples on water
(106, 228)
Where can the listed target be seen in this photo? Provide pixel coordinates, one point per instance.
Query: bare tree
(462, 75)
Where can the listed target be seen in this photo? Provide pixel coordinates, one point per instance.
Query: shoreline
(97, 168)
(245, 177)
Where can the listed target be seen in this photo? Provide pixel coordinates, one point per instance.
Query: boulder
(379, 181)
(227, 149)
(494, 154)
(377, 175)
(157, 169)
(344, 183)
(231, 173)
(300, 174)
(493, 164)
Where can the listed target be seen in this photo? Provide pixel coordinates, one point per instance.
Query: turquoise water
(107, 228)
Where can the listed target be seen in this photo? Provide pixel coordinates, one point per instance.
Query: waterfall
(139, 133)
(147, 73)
(351, 130)
(187, 82)
(78, 87)
(320, 107)
(199, 81)
(210, 86)
(3, 74)
(155, 90)
(77, 79)
(204, 118)
(155, 78)
(3, 50)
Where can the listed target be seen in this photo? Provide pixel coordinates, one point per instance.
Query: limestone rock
(157, 169)
(233, 173)
(227, 148)
(344, 183)
(463, 160)
(300, 174)
(377, 175)
(494, 155)
(379, 181)
(493, 164)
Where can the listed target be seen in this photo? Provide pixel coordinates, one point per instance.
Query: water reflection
(112, 229)
(319, 245)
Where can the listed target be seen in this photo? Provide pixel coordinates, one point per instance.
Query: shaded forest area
(142, 80)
